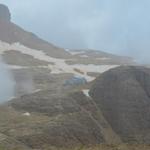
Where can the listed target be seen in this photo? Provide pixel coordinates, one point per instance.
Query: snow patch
(36, 91)
(16, 67)
(26, 114)
(25, 67)
(86, 92)
(73, 52)
(59, 65)
(93, 68)
(103, 58)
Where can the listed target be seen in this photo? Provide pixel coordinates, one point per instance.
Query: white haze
(6, 83)
(117, 26)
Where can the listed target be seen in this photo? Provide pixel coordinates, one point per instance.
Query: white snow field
(86, 92)
(59, 65)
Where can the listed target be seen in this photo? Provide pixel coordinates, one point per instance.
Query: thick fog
(6, 83)
(116, 26)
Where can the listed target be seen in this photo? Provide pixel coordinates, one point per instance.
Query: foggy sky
(116, 26)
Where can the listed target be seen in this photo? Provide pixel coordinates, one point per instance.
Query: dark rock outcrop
(123, 95)
(4, 13)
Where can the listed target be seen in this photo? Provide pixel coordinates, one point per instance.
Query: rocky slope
(113, 112)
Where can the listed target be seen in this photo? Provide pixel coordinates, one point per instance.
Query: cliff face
(4, 13)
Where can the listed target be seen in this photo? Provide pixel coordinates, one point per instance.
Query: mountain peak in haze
(4, 13)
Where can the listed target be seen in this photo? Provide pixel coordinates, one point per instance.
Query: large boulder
(123, 95)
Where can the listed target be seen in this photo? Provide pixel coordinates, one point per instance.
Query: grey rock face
(123, 95)
(4, 13)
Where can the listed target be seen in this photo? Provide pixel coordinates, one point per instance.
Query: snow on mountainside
(56, 65)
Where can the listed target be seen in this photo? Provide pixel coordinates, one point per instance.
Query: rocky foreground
(113, 113)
